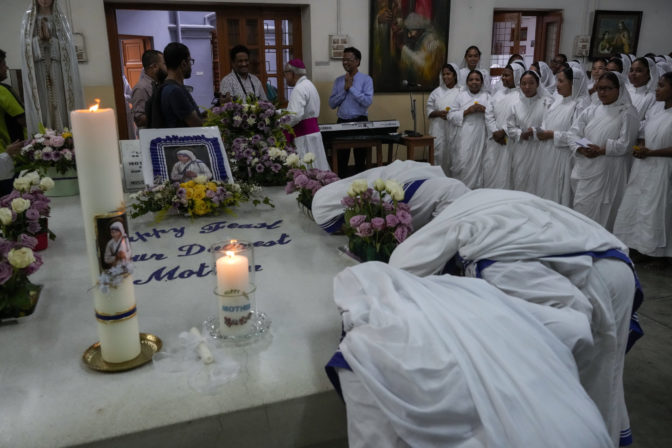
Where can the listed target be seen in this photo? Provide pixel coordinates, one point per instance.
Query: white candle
(98, 170)
(232, 273)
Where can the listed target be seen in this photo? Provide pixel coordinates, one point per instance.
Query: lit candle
(95, 135)
(232, 273)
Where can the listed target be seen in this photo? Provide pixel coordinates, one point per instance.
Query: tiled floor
(648, 366)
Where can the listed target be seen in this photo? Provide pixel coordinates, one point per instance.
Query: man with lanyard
(240, 82)
(352, 94)
(153, 74)
(304, 105)
(178, 108)
(12, 129)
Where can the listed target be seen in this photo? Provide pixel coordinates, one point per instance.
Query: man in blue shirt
(352, 95)
(178, 108)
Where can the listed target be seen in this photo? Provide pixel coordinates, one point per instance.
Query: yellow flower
(212, 186)
(447, 108)
(199, 193)
(189, 184)
(66, 134)
(189, 192)
(201, 208)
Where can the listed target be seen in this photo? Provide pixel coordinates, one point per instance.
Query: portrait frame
(407, 45)
(102, 223)
(614, 32)
(160, 146)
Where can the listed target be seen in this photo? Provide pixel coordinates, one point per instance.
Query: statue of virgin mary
(49, 67)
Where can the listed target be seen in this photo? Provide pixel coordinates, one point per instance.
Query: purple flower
(34, 227)
(404, 217)
(32, 214)
(348, 201)
(259, 168)
(210, 194)
(290, 187)
(301, 180)
(391, 220)
(401, 233)
(271, 141)
(6, 272)
(5, 246)
(276, 167)
(57, 141)
(357, 220)
(378, 223)
(364, 230)
(33, 267)
(27, 241)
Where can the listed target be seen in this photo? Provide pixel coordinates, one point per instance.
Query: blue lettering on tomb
(191, 249)
(178, 232)
(162, 275)
(147, 257)
(215, 226)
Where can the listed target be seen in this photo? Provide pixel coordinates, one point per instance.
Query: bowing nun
(188, 167)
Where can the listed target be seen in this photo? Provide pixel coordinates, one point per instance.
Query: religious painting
(182, 154)
(615, 32)
(409, 42)
(113, 246)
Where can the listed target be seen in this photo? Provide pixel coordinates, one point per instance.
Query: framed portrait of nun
(182, 154)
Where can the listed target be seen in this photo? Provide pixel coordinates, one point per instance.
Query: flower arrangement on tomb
(254, 134)
(26, 209)
(198, 197)
(305, 179)
(18, 295)
(48, 149)
(375, 219)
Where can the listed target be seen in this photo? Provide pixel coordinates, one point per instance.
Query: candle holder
(237, 316)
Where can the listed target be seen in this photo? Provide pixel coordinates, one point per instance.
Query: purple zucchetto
(298, 63)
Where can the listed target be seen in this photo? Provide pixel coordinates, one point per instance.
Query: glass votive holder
(233, 265)
(234, 289)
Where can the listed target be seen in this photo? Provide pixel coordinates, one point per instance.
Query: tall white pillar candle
(98, 169)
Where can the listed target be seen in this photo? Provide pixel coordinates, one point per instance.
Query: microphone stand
(414, 132)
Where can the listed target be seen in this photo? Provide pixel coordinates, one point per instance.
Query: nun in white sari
(188, 167)
(497, 156)
(453, 362)
(643, 80)
(469, 117)
(556, 159)
(644, 220)
(551, 257)
(427, 191)
(440, 102)
(525, 115)
(602, 140)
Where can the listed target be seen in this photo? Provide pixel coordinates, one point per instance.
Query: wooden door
(132, 49)
(551, 25)
(505, 36)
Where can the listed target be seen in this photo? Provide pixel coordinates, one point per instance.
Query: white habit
(444, 132)
(453, 362)
(304, 103)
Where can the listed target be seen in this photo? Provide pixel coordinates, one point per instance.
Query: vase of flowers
(376, 220)
(52, 153)
(18, 296)
(254, 135)
(198, 197)
(26, 209)
(306, 180)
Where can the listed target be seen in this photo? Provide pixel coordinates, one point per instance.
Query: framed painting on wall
(615, 32)
(408, 43)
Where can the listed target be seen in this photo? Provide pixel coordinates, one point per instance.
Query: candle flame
(95, 106)
(229, 254)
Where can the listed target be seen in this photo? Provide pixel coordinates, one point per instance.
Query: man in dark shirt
(178, 108)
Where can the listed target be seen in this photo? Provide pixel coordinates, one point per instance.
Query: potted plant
(18, 296)
(306, 180)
